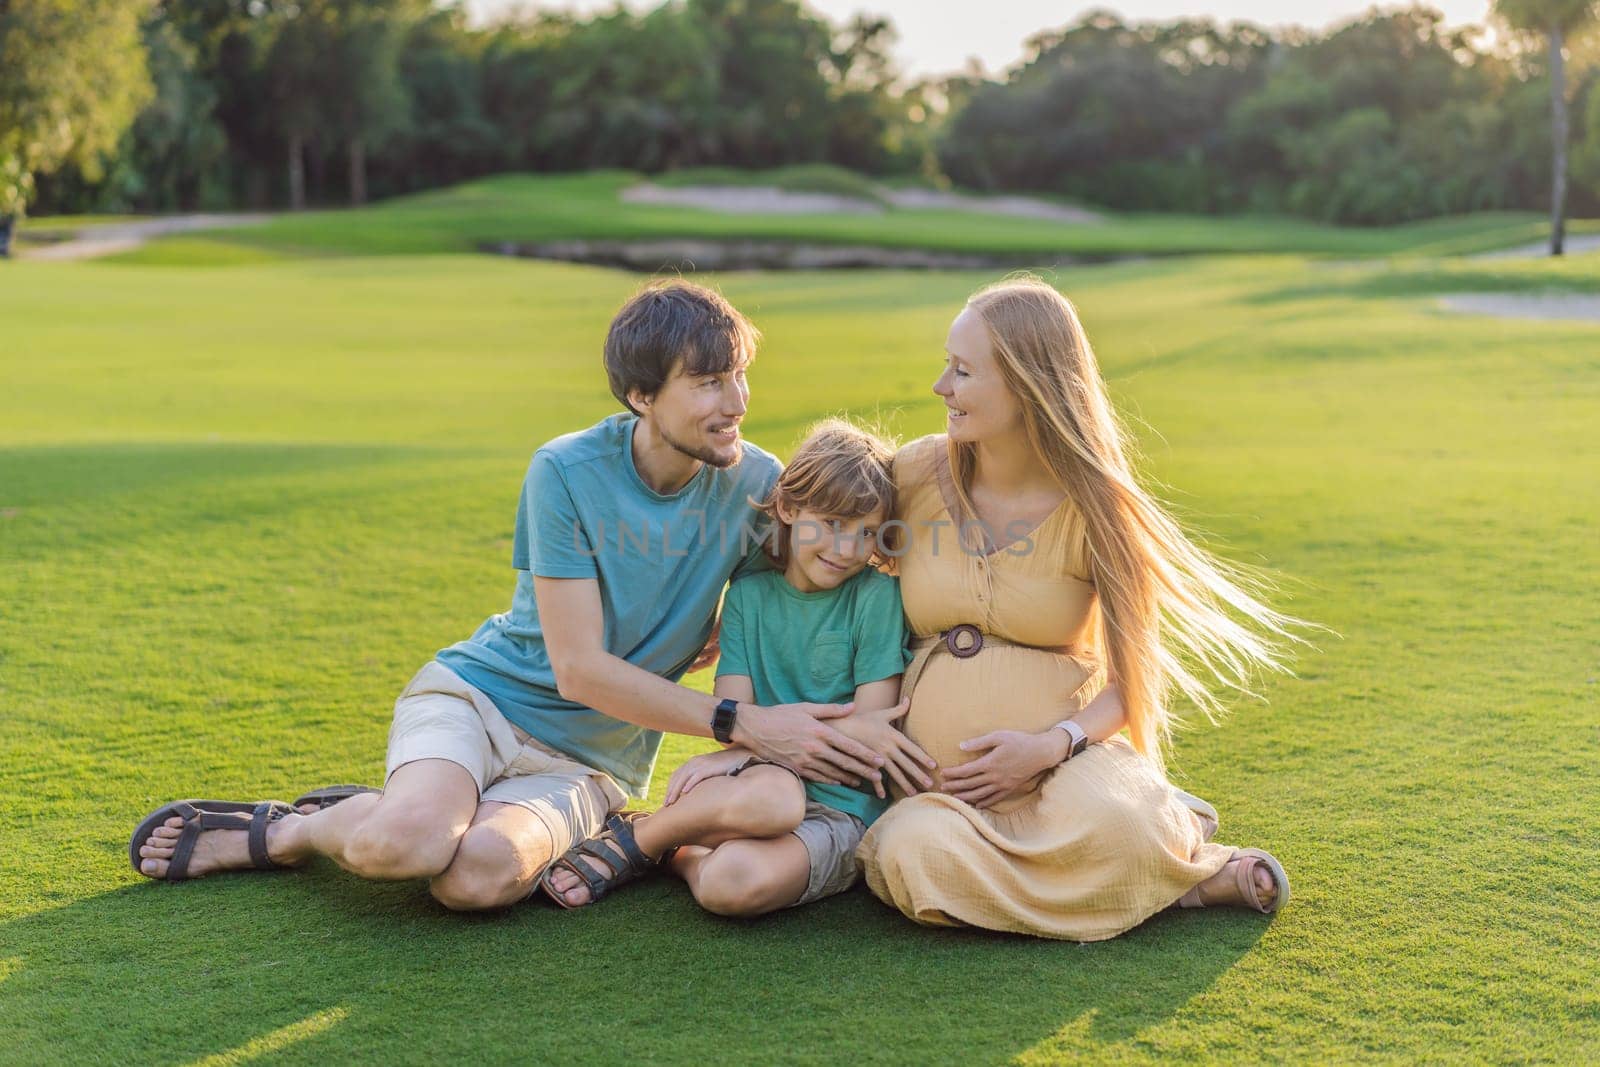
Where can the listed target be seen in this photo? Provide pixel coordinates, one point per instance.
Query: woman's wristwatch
(1079, 739)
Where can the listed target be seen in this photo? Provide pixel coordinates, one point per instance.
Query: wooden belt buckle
(960, 651)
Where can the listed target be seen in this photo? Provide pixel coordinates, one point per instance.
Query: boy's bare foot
(569, 887)
(612, 858)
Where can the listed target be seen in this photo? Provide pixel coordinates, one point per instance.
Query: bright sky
(937, 36)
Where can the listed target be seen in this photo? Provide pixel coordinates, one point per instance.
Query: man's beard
(704, 455)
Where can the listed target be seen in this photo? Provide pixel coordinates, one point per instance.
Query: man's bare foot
(216, 850)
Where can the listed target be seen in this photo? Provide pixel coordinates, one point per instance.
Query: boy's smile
(825, 551)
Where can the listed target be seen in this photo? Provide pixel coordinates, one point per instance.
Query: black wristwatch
(722, 721)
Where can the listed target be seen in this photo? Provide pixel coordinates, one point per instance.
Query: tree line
(158, 105)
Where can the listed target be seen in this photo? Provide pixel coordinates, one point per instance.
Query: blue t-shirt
(815, 647)
(661, 561)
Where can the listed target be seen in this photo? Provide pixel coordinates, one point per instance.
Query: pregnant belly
(1005, 688)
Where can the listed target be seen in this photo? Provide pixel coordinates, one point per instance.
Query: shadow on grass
(318, 965)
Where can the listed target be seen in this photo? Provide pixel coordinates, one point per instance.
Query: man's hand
(906, 763)
(795, 735)
(704, 766)
(1011, 761)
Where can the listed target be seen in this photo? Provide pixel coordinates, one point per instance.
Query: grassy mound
(530, 208)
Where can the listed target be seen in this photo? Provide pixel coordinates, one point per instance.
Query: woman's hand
(905, 761)
(1010, 761)
(698, 769)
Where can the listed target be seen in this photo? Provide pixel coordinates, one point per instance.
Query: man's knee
(493, 868)
(734, 886)
(399, 843)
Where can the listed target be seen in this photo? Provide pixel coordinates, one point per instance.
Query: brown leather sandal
(200, 816)
(609, 859)
(329, 795)
(1245, 878)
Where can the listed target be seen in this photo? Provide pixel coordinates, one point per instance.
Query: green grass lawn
(238, 508)
(525, 208)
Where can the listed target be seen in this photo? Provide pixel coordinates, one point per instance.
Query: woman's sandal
(200, 816)
(605, 861)
(1245, 877)
(329, 795)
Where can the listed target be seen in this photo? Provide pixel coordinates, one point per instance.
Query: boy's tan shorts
(830, 837)
(440, 716)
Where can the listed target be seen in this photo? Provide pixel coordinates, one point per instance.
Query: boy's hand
(700, 768)
(904, 759)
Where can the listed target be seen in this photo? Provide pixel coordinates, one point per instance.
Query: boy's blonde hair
(840, 470)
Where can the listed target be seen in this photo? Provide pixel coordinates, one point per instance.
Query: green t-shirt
(815, 647)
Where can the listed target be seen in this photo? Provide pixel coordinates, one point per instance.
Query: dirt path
(1574, 245)
(1570, 307)
(92, 242)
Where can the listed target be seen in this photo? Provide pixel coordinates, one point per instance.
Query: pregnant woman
(1054, 604)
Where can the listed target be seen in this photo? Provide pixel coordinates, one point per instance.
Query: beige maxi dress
(1104, 841)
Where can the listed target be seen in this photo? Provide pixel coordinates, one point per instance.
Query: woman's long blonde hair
(1172, 616)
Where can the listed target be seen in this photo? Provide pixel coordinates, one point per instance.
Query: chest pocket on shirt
(830, 659)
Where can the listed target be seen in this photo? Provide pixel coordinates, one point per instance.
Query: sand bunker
(750, 200)
(766, 200)
(1572, 307)
(687, 256)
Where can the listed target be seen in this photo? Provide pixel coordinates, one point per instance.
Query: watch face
(722, 721)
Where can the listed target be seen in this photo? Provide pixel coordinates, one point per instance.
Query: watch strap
(1078, 740)
(722, 720)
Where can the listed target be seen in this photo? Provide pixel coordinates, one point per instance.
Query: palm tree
(1555, 19)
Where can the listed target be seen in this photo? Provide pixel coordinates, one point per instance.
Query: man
(517, 743)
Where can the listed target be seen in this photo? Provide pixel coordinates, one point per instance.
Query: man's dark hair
(669, 322)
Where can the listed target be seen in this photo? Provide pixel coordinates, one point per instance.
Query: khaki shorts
(440, 716)
(830, 837)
